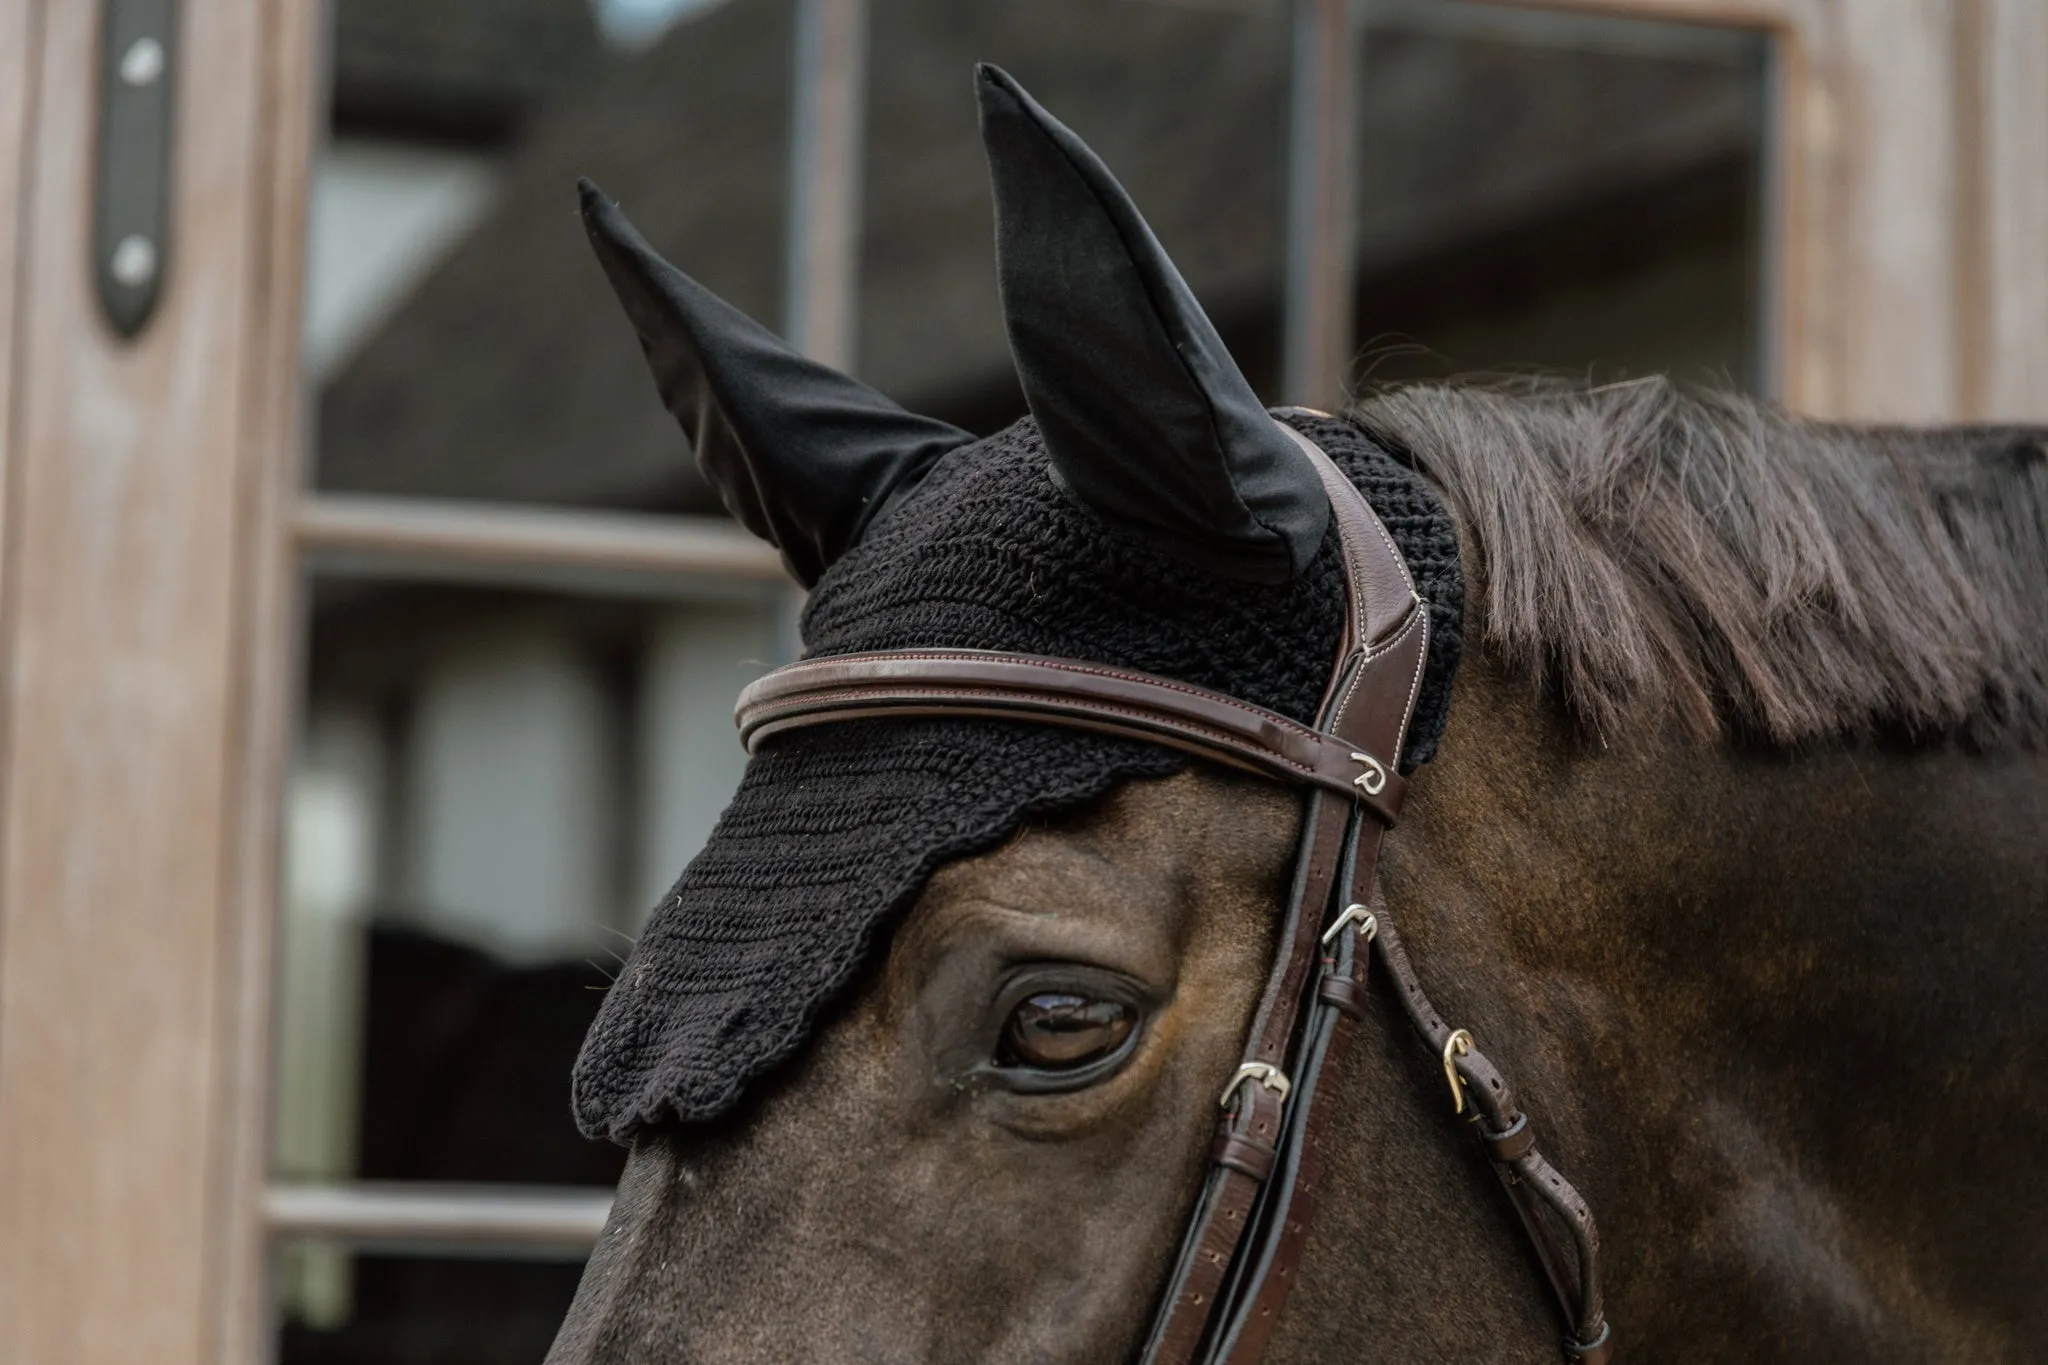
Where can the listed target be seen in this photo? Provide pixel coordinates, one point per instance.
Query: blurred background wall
(369, 641)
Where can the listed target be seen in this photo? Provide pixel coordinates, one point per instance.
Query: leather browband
(1246, 1236)
(1067, 692)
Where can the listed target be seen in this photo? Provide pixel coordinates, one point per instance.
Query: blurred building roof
(460, 70)
(510, 373)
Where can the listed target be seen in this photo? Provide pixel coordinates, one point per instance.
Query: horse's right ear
(803, 456)
(1147, 420)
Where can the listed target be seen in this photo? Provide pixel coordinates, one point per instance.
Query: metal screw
(143, 62)
(134, 261)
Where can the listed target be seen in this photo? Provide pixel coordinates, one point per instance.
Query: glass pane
(1187, 103)
(336, 1307)
(1558, 191)
(462, 341)
(492, 788)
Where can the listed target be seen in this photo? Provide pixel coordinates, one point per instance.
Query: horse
(1732, 849)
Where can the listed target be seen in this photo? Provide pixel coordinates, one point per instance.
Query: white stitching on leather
(1372, 518)
(1414, 683)
(828, 700)
(1003, 662)
(1351, 692)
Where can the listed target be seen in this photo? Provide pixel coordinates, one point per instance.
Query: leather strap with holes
(1245, 1239)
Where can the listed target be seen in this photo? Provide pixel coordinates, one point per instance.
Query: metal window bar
(352, 530)
(488, 1220)
(615, 554)
(1317, 344)
(1768, 228)
(826, 138)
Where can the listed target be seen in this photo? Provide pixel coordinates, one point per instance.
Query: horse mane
(1643, 549)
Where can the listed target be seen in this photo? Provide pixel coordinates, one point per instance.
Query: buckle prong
(1354, 913)
(1455, 1046)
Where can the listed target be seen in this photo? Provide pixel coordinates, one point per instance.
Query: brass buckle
(1457, 1045)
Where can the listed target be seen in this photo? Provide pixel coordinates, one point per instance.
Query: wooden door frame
(145, 636)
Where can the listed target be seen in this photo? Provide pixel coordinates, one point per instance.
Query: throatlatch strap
(1534, 1187)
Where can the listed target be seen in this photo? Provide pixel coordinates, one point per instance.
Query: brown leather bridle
(1244, 1241)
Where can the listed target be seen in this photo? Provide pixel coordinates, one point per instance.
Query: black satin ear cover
(802, 455)
(1147, 419)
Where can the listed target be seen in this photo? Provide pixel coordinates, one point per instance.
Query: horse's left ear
(805, 457)
(1146, 418)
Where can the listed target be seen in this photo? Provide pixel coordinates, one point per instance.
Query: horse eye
(1058, 1032)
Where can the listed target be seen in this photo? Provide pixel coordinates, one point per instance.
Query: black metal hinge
(132, 186)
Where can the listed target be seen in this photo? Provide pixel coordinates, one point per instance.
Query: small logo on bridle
(1374, 779)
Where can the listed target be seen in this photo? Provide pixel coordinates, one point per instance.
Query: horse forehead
(1145, 838)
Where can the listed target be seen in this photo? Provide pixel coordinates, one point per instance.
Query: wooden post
(19, 24)
(2010, 380)
(1873, 123)
(144, 613)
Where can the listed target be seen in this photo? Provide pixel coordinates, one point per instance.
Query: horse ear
(803, 456)
(1146, 418)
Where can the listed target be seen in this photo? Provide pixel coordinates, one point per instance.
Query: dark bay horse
(1734, 854)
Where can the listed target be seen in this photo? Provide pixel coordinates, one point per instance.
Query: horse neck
(1778, 1016)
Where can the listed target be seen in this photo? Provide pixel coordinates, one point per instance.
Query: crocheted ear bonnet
(1147, 515)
